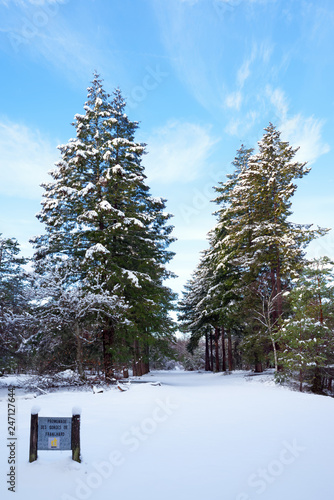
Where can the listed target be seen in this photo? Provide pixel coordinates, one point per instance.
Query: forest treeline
(94, 298)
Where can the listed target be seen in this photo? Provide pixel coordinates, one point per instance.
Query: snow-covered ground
(197, 436)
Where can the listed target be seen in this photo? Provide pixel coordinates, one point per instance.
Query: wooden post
(33, 437)
(75, 438)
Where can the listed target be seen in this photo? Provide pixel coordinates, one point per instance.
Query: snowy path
(197, 436)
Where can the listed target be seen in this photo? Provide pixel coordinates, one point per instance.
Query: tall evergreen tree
(255, 250)
(268, 243)
(98, 210)
(256, 234)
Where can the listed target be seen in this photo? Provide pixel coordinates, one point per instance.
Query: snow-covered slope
(196, 436)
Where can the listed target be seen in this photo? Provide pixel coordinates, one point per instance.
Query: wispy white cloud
(244, 71)
(45, 32)
(198, 42)
(234, 100)
(278, 99)
(188, 41)
(301, 131)
(179, 151)
(26, 157)
(305, 132)
(240, 126)
(260, 55)
(69, 52)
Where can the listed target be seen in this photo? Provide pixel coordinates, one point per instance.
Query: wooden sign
(55, 433)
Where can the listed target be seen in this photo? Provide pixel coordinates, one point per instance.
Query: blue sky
(201, 77)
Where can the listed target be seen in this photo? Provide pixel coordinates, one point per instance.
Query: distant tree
(190, 361)
(194, 314)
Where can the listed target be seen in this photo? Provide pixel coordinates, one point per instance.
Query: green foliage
(307, 339)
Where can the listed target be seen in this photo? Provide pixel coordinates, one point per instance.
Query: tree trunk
(258, 367)
(146, 359)
(137, 365)
(230, 352)
(275, 354)
(211, 351)
(79, 351)
(258, 364)
(108, 338)
(279, 288)
(142, 367)
(321, 314)
(224, 350)
(134, 368)
(274, 313)
(301, 378)
(329, 383)
(207, 356)
(317, 387)
(217, 348)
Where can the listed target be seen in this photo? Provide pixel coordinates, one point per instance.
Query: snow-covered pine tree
(12, 303)
(98, 210)
(231, 289)
(232, 209)
(225, 298)
(212, 297)
(260, 240)
(193, 315)
(264, 190)
(204, 310)
(307, 336)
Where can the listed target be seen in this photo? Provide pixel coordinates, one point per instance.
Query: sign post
(33, 437)
(75, 443)
(55, 433)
